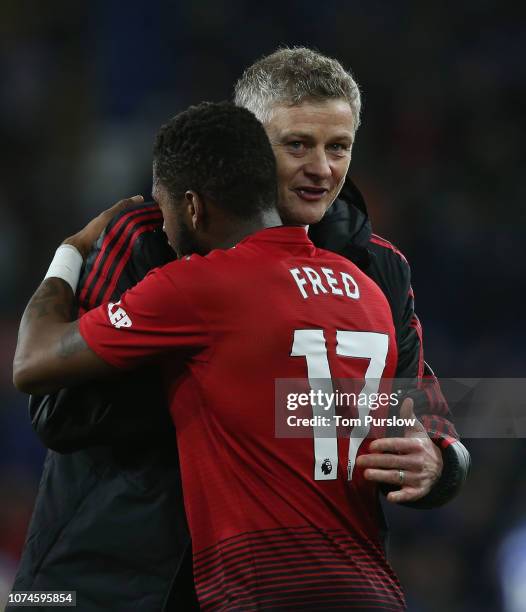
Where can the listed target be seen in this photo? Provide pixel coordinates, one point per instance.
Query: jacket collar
(345, 228)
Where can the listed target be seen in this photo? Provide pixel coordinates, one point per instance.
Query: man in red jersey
(267, 532)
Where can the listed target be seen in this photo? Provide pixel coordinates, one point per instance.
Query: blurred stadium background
(84, 87)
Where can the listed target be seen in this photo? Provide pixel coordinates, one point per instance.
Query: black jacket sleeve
(346, 229)
(128, 412)
(130, 409)
(391, 270)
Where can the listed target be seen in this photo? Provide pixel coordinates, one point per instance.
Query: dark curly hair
(221, 152)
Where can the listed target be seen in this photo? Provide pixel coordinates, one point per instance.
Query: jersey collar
(296, 234)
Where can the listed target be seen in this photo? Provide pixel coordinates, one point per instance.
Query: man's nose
(318, 164)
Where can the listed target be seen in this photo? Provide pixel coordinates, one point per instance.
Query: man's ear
(195, 208)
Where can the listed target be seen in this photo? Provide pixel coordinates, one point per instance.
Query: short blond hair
(291, 76)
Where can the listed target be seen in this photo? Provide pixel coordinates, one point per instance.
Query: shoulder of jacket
(120, 257)
(387, 248)
(389, 267)
(133, 217)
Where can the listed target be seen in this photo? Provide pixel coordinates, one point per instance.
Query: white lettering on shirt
(347, 278)
(308, 280)
(300, 281)
(315, 280)
(331, 280)
(118, 317)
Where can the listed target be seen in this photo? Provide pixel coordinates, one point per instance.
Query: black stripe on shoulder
(124, 223)
(118, 254)
(136, 209)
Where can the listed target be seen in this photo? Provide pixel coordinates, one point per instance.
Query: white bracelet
(66, 265)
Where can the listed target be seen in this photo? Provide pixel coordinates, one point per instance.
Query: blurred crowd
(84, 86)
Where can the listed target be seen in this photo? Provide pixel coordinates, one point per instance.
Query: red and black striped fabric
(437, 425)
(297, 569)
(375, 239)
(113, 253)
(430, 404)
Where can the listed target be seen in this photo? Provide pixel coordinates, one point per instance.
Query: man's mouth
(310, 194)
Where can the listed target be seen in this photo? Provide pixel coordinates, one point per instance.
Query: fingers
(385, 468)
(407, 494)
(407, 412)
(390, 462)
(407, 408)
(84, 239)
(136, 199)
(414, 486)
(122, 204)
(416, 456)
(100, 222)
(392, 477)
(398, 445)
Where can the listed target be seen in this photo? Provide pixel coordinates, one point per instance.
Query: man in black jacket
(97, 424)
(310, 107)
(109, 520)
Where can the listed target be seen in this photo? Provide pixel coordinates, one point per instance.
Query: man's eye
(296, 145)
(338, 147)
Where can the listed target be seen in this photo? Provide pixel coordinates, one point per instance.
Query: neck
(239, 230)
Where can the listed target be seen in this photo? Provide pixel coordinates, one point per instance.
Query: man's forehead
(328, 116)
(312, 130)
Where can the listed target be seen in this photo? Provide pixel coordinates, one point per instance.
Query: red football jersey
(277, 523)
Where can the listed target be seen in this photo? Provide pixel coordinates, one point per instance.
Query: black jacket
(109, 519)
(346, 229)
(122, 446)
